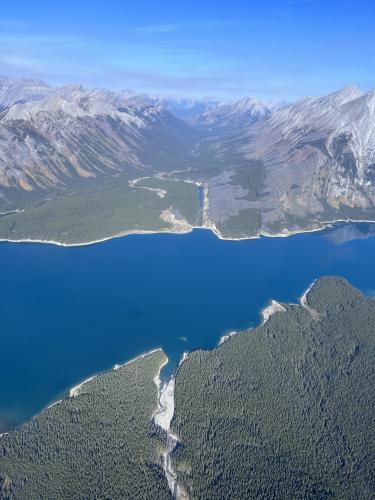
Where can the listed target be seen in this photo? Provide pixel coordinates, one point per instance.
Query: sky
(272, 49)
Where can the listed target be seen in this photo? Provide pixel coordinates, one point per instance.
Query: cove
(67, 313)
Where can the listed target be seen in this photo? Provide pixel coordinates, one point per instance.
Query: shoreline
(186, 230)
(75, 391)
(273, 307)
(226, 337)
(304, 303)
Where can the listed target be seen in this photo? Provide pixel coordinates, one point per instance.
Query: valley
(232, 339)
(277, 170)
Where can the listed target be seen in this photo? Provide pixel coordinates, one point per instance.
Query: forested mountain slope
(285, 410)
(99, 443)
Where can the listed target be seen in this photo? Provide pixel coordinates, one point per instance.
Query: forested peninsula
(283, 410)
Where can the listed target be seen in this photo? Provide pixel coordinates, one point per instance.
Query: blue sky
(271, 49)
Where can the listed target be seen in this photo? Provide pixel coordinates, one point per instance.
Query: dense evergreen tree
(99, 444)
(286, 410)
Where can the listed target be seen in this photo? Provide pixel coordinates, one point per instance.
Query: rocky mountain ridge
(320, 151)
(13, 90)
(271, 169)
(82, 132)
(234, 115)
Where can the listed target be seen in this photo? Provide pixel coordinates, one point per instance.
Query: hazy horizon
(179, 96)
(271, 51)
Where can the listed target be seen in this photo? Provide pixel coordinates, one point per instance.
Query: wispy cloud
(21, 51)
(188, 52)
(175, 27)
(12, 23)
(19, 61)
(158, 28)
(30, 40)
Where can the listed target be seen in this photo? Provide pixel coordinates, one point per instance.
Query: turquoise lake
(67, 313)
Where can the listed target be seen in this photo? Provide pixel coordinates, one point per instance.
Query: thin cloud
(174, 27)
(19, 61)
(30, 40)
(158, 28)
(13, 23)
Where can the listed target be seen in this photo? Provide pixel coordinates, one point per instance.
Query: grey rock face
(319, 151)
(317, 157)
(75, 132)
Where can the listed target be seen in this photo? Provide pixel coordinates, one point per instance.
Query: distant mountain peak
(369, 98)
(242, 113)
(346, 94)
(13, 90)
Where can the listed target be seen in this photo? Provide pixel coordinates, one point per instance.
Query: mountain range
(308, 161)
(263, 168)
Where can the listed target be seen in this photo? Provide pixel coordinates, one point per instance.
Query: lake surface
(67, 313)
